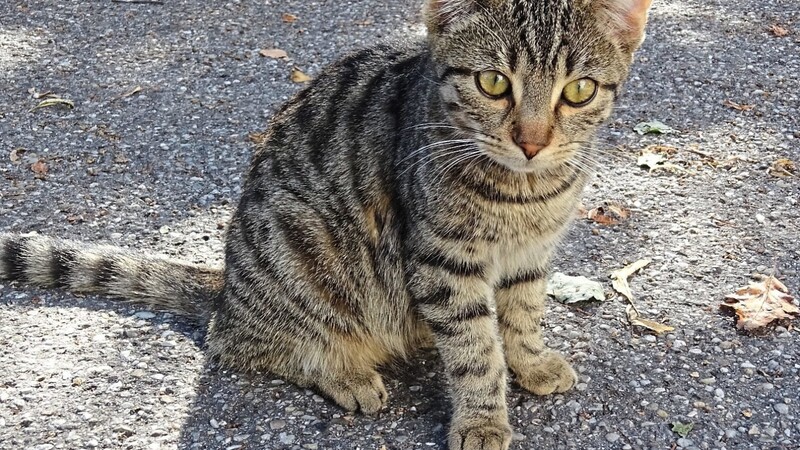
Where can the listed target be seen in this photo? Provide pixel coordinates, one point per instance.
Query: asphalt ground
(166, 97)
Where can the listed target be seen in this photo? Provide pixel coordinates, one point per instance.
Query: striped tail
(177, 286)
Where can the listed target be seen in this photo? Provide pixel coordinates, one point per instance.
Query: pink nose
(531, 150)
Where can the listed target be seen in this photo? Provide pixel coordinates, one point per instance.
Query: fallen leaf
(567, 289)
(619, 277)
(275, 53)
(39, 168)
(635, 319)
(288, 18)
(609, 213)
(653, 127)
(778, 30)
(738, 106)
(783, 168)
(760, 303)
(682, 429)
(53, 102)
(299, 77)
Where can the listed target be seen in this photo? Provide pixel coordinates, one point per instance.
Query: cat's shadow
(260, 411)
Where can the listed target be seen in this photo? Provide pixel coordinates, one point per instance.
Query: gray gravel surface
(161, 169)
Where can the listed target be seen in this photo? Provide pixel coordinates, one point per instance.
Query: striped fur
(390, 206)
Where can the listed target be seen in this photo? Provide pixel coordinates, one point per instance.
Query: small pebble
(781, 408)
(612, 437)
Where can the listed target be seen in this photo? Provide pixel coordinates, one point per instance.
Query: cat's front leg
(453, 297)
(520, 309)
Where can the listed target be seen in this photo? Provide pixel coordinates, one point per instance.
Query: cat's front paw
(479, 436)
(548, 374)
(364, 392)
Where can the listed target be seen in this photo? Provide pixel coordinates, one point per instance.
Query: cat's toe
(480, 437)
(551, 373)
(354, 392)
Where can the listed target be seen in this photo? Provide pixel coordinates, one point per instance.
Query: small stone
(277, 424)
(138, 373)
(781, 408)
(710, 380)
(678, 344)
(731, 433)
(124, 430)
(661, 413)
(241, 437)
(754, 430)
(287, 439)
(518, 437)
(144, 315)
(719, 393)
(612, 437)
(684, 442)
(214, 424)
(747, 365)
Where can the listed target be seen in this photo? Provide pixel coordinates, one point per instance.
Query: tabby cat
(414, 191)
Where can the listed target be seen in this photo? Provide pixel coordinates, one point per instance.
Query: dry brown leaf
(760, 303)
(39, 168)
(299, 77)
(288, 18)
(783, 168)
(275, 53)
(636, 320)
(619, 278)
(609, 213)
(738, 106)
(778, 30)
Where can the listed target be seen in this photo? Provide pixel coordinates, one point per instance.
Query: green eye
(580, 92)
(492, 83)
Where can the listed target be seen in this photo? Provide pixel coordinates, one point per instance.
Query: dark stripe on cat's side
(452, 266)
(525, 277)
(61, 264)
(14, 260)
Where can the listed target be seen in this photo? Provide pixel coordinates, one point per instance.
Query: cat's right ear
(441, 14)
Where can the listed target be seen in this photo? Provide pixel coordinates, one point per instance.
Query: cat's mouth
(545, 158)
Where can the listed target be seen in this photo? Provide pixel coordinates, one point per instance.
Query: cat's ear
(626, 20)
(440, 14)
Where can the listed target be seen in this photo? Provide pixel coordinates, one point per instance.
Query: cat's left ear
(626, 19)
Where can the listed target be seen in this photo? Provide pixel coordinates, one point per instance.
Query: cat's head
(531, 80)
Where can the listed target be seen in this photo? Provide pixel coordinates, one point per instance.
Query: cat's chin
(524, 165)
